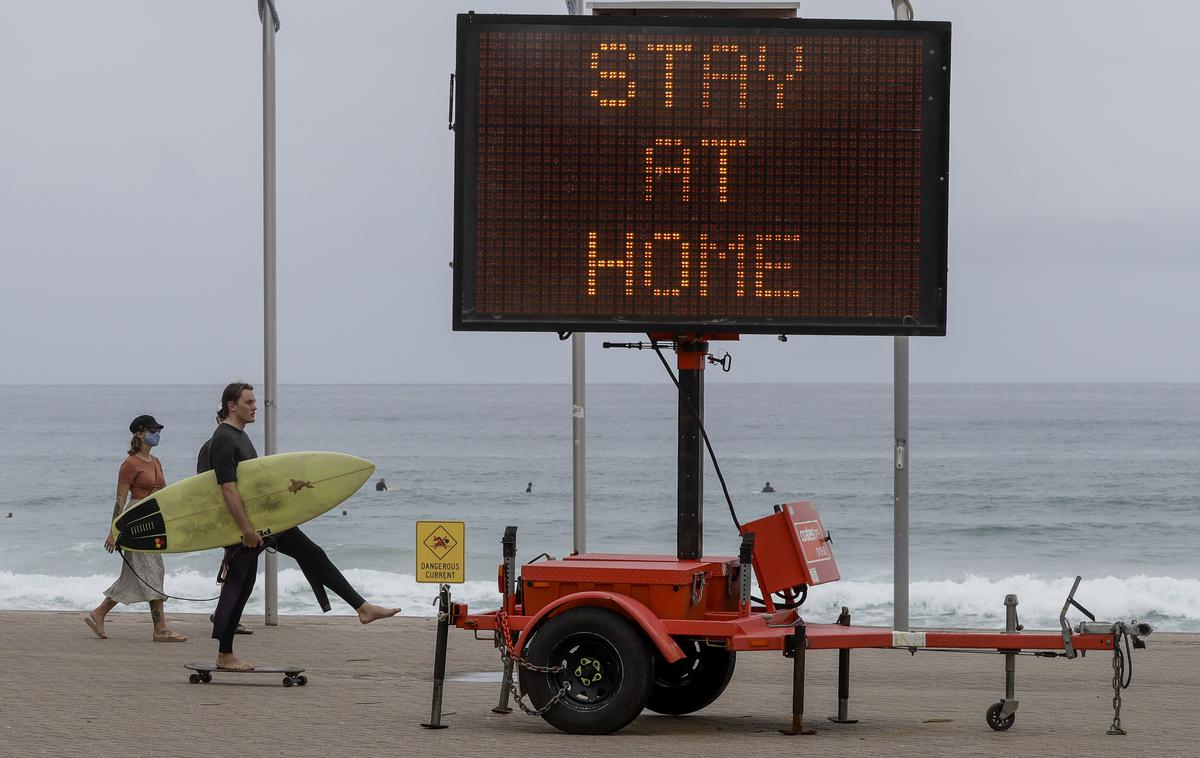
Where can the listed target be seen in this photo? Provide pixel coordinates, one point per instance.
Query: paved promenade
(65, 692)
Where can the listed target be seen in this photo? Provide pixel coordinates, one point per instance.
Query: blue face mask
(151, 439)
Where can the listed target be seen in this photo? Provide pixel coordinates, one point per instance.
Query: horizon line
(618, 383)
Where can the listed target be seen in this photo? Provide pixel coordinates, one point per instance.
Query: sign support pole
(903, 12)
(690, 520)
(269, 27)
(900, 485)
(579, 446)
(578, 421)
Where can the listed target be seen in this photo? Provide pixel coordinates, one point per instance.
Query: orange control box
(671, 588)
(791, 547)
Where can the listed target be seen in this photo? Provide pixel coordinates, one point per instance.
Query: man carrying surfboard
(229, 446)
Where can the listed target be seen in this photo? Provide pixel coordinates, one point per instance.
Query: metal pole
(843, 690)
(902, 11)
(797, 645)
(579, 446)
(508, 545)
(900, 486)
(439, 660)
(690, 519)
(578, 418)
(271, 602)
(1010, 659)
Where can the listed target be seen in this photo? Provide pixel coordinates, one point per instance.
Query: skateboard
(202, 672)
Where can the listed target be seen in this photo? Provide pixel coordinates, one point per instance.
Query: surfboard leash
(160, 591)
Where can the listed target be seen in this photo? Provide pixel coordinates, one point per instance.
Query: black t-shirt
(228, 447)
(203, 463)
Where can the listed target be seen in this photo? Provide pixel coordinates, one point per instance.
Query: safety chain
(504, 642)
(1118, 665)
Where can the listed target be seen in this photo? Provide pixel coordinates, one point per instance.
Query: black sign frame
(934, 179)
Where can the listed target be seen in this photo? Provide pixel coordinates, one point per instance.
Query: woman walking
(140, 475)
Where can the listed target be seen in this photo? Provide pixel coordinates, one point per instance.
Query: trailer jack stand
(439, 659)
(843, 714)
(509, 546)
(797, 644)
(1001, 716)
(505, 686)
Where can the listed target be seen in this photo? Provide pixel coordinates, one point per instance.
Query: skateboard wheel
(302, 680)
(194, 678)
(206, 677)
(287, 681)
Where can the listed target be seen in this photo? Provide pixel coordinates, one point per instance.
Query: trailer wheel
(609, 671)
(692, 683)
(994, 720)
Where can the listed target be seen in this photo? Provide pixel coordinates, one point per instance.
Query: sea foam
(1169, 603)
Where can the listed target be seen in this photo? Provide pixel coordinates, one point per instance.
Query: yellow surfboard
(279, 492)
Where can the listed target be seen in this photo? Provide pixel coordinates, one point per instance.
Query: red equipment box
(791, 547)
(671, 588)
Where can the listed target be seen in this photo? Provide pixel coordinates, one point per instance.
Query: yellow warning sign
(442, 552)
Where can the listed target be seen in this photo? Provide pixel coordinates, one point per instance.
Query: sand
(65, 692)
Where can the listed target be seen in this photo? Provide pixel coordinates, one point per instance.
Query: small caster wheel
(194, 678)
(206, 677)
(302, 680)
(287, 681)
(994, 720)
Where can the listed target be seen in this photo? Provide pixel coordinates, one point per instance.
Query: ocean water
(1014, 488)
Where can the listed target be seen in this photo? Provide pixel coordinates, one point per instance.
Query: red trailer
(599, 637)
(831, 219)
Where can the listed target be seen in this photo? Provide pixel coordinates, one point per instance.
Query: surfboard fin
(142, 528)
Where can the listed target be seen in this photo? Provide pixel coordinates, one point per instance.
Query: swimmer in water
(768, 488)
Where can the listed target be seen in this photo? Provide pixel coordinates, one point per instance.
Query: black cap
(144, 422)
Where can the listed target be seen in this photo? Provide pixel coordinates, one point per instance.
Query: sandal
(97, 627)
(169, 636)
(240, 630)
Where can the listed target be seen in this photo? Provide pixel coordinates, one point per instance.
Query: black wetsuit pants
(242, 567)
(317, 567)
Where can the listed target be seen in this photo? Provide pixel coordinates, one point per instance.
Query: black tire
(693, 683)
(287, 681)
(609, 669)
(194, 678)
(994, 720)
(205, 677)
(302, 680)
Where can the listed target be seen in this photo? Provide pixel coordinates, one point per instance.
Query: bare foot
(231, 662)
(368, 612)
(97, 627)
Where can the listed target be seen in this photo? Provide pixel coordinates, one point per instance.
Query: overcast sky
(131, 199)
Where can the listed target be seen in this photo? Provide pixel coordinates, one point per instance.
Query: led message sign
(701, 175)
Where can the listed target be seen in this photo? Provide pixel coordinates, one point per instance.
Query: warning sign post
(442, 552)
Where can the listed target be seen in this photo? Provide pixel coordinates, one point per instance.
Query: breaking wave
(1169, 603)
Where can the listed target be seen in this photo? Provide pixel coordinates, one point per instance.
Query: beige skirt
(129, 589)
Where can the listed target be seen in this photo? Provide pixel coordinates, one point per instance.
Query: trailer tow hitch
(1131, 633)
